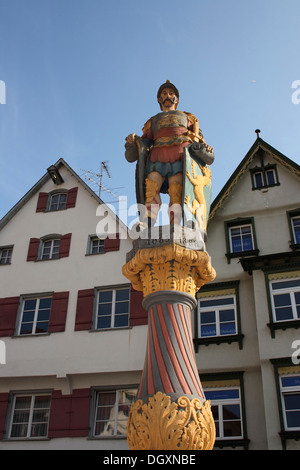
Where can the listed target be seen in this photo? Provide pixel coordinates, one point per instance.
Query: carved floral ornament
(164, 425)
(169, 267)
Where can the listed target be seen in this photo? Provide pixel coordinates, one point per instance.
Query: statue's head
(163, 88)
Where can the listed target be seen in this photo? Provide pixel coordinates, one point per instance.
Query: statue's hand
(130, 138)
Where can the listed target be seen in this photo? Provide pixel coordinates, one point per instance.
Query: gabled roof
(242, 167)
(61, 162)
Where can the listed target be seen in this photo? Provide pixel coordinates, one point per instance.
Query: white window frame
(53, 207)
(289, 390)
(30, 422)
(37, 310)
(288, 290)
(54, 249)
(220, 403)
(217, 309)
(240, 227)
(295, 219)
(99, 245)
(119, 426)
(113, 303)
(5, 255)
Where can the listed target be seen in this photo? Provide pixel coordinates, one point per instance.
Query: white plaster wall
(66, 352)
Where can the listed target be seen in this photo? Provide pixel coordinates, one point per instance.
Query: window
(227, 412)
(264, 176)
(58, 201)
(6, 254)
(285, 298)
(112, 308)
(50, 249)
(240, 238)
(217, 316)
(296, 229)
(290, 396)
(294, 226)
(95, 245)
(35, 315)
(111, 412)
(30, 416)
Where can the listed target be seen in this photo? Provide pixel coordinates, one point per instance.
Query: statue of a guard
(172, 157)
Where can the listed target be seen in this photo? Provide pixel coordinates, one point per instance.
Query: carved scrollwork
(170, 267)
(162, 424)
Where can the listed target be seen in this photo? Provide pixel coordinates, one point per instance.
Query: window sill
(241, 254)
(219, 340)
(295, 246)
(26, 439)
(283, 325)
(232, 443)
(97, 330)
(105, 438)
(32, 335)
(287, 435)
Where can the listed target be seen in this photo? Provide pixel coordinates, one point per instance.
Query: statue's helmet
(167, 84)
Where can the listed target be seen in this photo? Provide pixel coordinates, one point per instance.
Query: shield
(197, 190)
(140, 172)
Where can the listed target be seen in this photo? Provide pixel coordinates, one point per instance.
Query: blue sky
(80, 75)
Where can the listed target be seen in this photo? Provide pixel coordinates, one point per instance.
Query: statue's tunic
(169, 131)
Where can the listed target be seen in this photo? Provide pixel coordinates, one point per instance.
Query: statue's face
(168, 100)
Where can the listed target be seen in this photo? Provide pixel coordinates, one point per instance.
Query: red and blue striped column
(170, 365)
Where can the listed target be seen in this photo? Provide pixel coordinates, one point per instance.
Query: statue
(170, 411)
(172, 157)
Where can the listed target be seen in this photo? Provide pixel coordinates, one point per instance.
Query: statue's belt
(171, 140)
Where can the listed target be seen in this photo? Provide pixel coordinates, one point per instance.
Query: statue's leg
(175, 193)
(152, 195)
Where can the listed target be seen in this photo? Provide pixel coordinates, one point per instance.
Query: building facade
(246, 329)
(73, 331)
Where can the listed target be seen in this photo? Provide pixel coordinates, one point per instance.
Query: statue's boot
(175, 205)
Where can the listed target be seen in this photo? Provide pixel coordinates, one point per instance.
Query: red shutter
(69, 414)
(60, 410)
(65, 242)
(42, 202)
(33, 249)
(8, 315)
(84, 311)
(79, 425)
(3, 409)
(113, 243)
(138, 315)
(58, 312)
(71, 198)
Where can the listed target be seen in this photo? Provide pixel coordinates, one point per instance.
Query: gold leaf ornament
(162, 424)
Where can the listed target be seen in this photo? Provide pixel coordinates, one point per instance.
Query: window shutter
(8, 315)
(112, 244)
(58, 313)
(71, 198)
(138, 315)
(60, 410)
(84, 311)
(80, 408)
(33, 249)
(42, 202)
(3, 409)
(69, 415)
(65, 243)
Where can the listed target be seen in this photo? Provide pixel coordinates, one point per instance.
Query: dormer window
(264, 177)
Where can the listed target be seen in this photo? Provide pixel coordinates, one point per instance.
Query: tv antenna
(93, 177)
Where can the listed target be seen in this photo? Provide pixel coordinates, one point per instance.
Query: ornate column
(170, 411)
